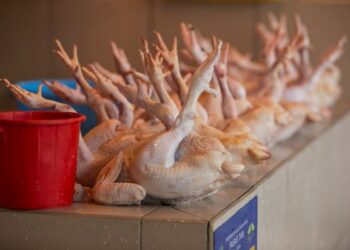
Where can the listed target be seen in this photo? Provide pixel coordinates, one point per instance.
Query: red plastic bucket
(38, 157)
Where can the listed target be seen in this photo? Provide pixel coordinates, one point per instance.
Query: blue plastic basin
(32, 86)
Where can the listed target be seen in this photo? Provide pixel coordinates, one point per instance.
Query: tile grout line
(141, 224)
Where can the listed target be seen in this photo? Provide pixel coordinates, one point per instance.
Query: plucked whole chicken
(180, 130)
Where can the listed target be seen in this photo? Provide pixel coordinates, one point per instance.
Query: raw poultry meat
(180, 130)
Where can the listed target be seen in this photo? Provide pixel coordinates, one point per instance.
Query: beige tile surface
(209, 207)
(64, 231)
(316, 195)
(80, 226)
(169, 228)
(272, 212)
(344, 242)
(131, 212)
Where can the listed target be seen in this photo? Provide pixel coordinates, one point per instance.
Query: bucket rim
(72, 117)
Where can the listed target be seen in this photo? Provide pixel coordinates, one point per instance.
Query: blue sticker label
(239, 232)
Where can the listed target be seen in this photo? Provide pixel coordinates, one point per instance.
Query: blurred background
(29, 26)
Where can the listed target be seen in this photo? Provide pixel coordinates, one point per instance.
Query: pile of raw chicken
(180, 130)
